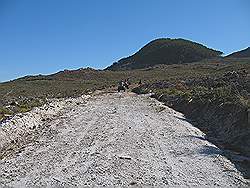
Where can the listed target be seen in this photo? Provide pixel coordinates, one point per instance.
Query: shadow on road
(242, 163)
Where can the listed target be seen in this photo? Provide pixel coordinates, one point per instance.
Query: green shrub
(5, 111)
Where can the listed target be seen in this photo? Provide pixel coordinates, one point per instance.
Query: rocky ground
(109, 139)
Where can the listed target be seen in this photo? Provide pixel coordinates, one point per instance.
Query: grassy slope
(33, 91)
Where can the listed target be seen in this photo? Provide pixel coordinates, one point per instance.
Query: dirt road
(110, 139)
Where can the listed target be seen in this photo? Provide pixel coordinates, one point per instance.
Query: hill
(165, 51)
(240, 54)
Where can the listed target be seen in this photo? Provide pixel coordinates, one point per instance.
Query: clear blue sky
(45, 36)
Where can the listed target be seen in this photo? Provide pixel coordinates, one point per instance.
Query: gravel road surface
(113, 139)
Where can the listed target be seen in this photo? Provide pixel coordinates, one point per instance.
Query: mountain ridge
(165, 51)
(240, 54)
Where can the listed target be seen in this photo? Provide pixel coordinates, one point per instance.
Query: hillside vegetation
(24, 93)
(165, 51)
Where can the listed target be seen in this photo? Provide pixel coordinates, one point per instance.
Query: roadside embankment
(217, 106)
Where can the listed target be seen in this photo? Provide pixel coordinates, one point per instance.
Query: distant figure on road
(121, 86)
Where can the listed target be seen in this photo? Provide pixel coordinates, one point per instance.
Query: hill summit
(241, 54)
(165, 51)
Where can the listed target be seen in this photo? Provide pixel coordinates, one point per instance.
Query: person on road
(121, 86)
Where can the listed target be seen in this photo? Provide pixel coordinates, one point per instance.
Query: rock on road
(116, 140)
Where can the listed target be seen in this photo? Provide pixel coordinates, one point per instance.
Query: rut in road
(118, 139)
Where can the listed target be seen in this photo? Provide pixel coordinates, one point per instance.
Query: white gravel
(109, 140)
